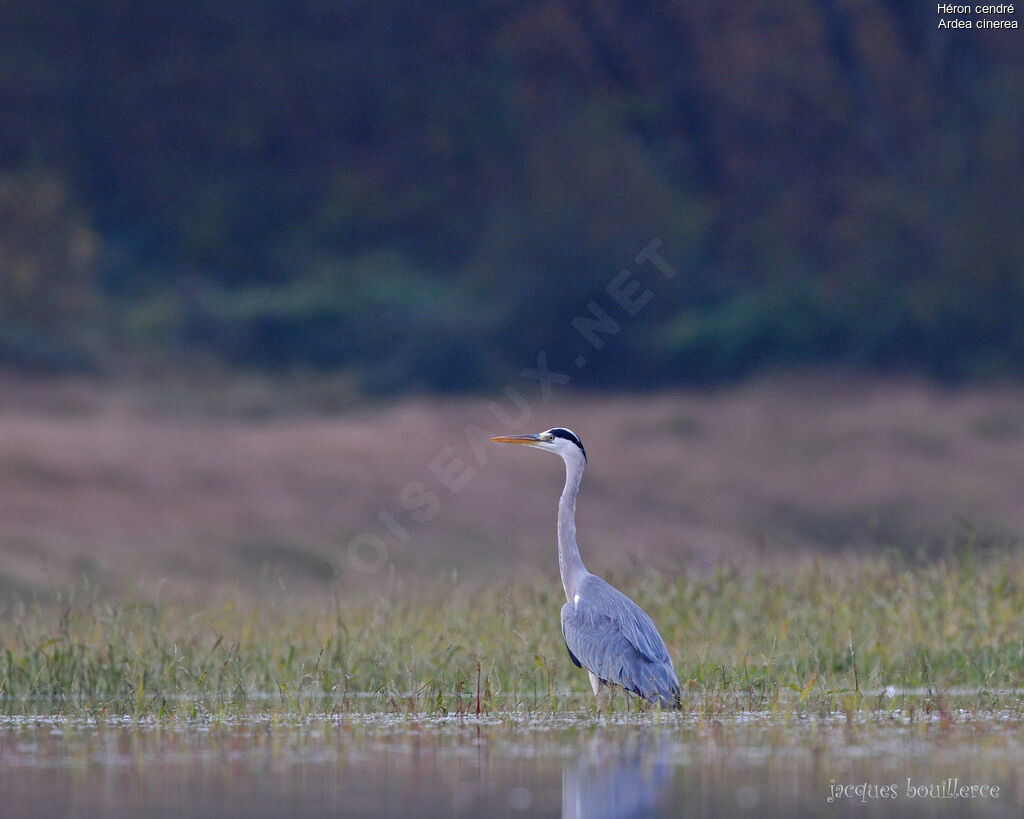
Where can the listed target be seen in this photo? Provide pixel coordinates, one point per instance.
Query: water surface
(749, 764)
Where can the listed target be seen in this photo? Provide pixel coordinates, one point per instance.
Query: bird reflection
(621, 780)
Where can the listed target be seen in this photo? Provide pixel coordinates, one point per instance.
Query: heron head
(559, 440)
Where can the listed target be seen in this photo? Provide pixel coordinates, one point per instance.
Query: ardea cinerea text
(605, 632)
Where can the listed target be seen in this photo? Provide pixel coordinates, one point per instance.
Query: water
(749, 764)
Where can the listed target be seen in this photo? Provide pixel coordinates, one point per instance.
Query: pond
(576, 764)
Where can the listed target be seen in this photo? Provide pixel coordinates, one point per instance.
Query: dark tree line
(426, 194)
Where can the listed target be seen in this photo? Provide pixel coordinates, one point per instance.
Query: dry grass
(261, 484)
(802, 544)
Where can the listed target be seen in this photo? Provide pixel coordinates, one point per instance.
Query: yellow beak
(516, 439)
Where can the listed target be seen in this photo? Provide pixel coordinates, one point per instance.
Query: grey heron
(605, 632)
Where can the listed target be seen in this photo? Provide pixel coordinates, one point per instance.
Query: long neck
(570, 565)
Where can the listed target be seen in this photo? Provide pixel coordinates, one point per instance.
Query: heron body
(605, 632)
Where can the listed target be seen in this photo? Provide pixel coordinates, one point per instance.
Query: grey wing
(597, 644)
(608, 634)
(636, 626)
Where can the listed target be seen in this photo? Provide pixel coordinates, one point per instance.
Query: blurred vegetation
(828, 636)
(424, 195)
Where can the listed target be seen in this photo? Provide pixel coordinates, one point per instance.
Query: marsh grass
(829, 636)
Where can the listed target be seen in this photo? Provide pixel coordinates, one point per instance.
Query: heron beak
(517, 439)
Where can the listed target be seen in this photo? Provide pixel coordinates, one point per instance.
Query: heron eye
(547, 436)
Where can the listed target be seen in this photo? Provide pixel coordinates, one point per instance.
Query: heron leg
(595, 682)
